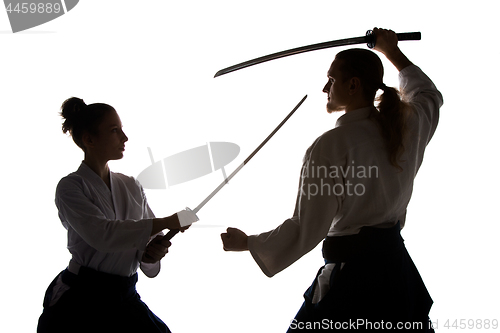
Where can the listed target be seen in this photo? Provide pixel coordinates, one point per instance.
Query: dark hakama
(98, 302)
(377, 288)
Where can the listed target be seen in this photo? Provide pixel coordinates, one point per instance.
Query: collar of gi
(354, 115)
(86, 172)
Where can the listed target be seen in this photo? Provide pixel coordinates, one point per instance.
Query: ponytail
(392, 118)
(80, 118)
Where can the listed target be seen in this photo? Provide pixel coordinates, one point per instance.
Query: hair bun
(70, 110)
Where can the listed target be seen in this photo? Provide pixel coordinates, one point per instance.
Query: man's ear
(354, 85)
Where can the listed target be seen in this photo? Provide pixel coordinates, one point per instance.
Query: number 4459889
(26, 7)
(471, 324)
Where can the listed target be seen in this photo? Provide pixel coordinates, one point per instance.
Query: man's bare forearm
(398, 59)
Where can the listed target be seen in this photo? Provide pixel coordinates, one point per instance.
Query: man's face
(336, 88)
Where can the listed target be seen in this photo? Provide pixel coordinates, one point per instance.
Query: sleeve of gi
(424, 98)
(150, 270)
(315, 208)
(103, 234)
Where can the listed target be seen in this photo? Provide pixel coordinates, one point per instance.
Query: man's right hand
(234, 240)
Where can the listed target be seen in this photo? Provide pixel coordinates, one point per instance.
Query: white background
(154, 61)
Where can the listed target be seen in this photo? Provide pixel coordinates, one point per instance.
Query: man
(356, 182)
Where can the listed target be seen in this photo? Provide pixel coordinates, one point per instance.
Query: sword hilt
(168, 236)
(371, 41)
(171, 234)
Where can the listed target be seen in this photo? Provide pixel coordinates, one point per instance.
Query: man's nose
(326, 88)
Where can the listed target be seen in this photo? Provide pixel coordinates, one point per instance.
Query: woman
(356, 182)
(111, 233)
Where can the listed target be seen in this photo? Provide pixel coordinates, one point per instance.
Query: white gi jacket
(108, 230)
(347, 181)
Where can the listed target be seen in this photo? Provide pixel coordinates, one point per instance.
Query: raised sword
(369, 39)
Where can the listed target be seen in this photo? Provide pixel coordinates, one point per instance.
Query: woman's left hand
(156, 250)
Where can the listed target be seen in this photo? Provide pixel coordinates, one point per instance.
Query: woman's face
(109, 144)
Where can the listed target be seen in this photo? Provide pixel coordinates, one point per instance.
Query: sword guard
(370, 39)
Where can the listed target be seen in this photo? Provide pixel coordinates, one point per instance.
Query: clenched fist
(234, 240)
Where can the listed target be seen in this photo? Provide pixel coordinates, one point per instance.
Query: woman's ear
(87, 140)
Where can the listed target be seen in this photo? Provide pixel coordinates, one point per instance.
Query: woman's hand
(178, 221)
(234, 240)
(156, 250)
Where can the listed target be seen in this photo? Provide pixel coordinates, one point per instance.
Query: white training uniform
(375, 194)
(108, 230)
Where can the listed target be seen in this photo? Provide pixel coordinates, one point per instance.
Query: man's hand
(387, 43)
(234, 240)
(156, 250)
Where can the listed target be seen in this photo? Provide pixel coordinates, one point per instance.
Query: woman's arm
(170, 222)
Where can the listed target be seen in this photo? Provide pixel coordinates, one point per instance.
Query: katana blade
(369, 39)
(249, 157)
(173, 232)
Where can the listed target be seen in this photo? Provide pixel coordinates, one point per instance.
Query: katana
(369, 39)
(172, 233)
